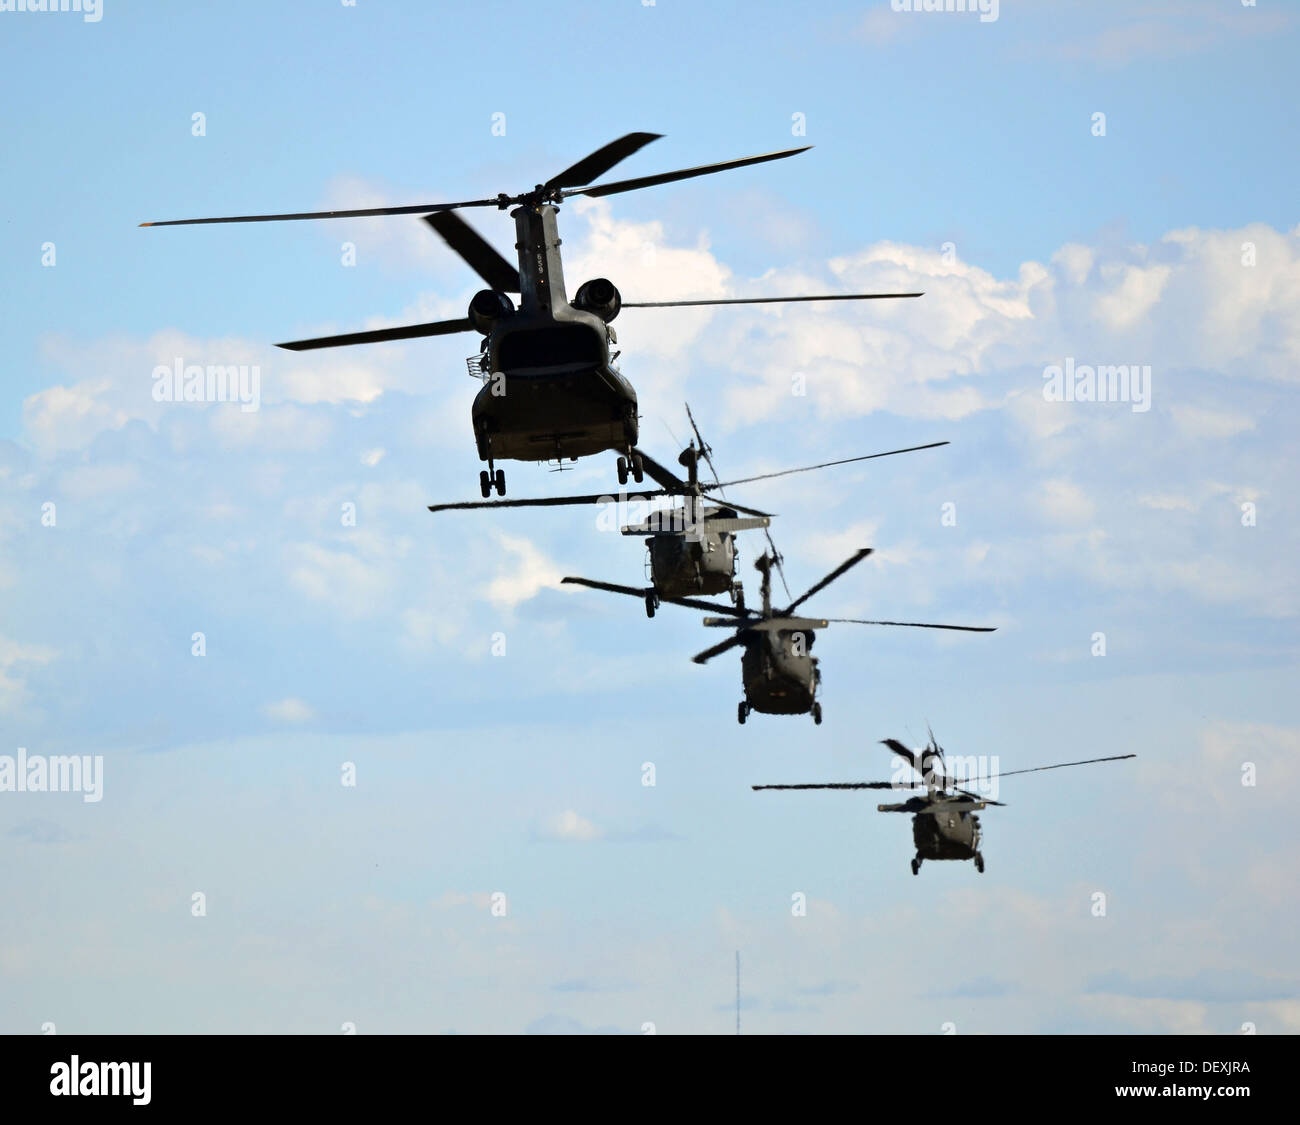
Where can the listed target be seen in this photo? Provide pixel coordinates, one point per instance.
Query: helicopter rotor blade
(768, 300)
(475, 250)
(718, 649)
(635, 592)
(538, 502)
(601, 161)
(662, 476)
(352, 213)
(848, 564)
(828, 464)
(705, 448)
(902, 751)
(1058, 766)
(380, 335)
(683, 174)
(841, 785)
(917, 625)
(738, 507)
(977, 797)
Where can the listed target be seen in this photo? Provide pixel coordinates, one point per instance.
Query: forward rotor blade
(917, 625)
(381, 335)
(601, 161)
(848, 564)
(480, 256)
(684, 174)
(717, 650)
(1058, 766)
(635, 592)
(354, 213)
(767, 300)
(828, 464)
(539, 502)
(841, 785)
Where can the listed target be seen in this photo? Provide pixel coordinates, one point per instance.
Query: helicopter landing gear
(817, 713)
(491, 478)
(737, 593)
(916, 866)
(636, 466)
(742, 712)
(651, 603)
(979, 862)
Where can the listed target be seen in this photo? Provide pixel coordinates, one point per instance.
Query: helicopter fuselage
(550, 389)
(685, 564)
(946, 834)
(780, 675)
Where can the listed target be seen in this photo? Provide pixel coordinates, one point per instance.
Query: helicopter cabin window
(559, 345)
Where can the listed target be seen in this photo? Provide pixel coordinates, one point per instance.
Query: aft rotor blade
(977, 797)
(353, 213)
(917, 625)
(717, 650)
(601, 161)
(539, 502)
(848, 564)
(684, 174)
(842, 785)
(381, 335)
(1058, 766)
(828, 464)
(480, 255)
(632, 591)
(768, 300)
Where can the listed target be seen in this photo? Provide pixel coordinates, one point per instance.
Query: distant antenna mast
(737, 991)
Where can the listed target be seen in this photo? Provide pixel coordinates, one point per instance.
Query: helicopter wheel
(979, 863)
(484, 484)
(742, 710)
(651, 604)
(638, 468)
(916, 867)
(817, 713)
(500, 481)
(622, 470)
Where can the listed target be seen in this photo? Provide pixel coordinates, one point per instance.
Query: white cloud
(570, 827)
(289, 710)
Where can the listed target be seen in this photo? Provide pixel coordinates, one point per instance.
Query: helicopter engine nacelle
(599, 297)
(487, 307)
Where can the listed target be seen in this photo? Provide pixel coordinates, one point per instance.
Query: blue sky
(951, 155)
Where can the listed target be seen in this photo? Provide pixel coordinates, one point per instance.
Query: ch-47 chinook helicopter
(780, 674)
(691, 548)
(551, 390)
(944, 824)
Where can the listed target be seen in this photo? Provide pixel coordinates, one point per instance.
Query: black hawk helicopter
(551, 390)
(944, 824)
(780, 674)
(691, 549)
